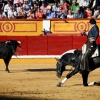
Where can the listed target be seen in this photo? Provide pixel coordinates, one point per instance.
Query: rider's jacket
(94, 32)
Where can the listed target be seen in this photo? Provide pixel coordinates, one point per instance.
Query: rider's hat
(92, 21)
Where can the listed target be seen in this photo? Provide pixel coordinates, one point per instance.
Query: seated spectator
(61, 14)
(12, 14)
(38, 14)
(65, 6)
(49, 13)
(21, 1)
(78, 14)
(84, 3)
(97, 13)
(34, 7)
(17, 6)
(74, 6)
(43, 9)
(21, 13)
(30, 15)
(26, 6)
(88, 12)
(2, 4)
(7, 8)
(55, 7)
(70, 14)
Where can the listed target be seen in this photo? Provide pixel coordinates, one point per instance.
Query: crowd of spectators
(38, 9)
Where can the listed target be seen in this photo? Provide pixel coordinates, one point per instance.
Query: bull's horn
(57, 59)
(19, 42)
(7, 41)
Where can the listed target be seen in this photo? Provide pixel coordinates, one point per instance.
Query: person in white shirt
(70, 14)
(7, 8)
(43, 7)
(17, 7)
(96, 13)
(56, 7)
(12, 14)
(84, 3)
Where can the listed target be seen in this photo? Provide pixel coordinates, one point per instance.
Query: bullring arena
(35, 79)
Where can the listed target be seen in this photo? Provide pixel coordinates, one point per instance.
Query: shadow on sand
(14, 98)
(20, 98)
(44, 70)
(96, 84)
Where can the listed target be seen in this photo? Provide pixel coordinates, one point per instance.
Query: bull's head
(13, 44)
(60, 67)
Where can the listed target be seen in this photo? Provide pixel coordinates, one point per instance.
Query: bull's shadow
(43, 70)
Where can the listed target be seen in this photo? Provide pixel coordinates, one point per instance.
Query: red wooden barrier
(58, 44)
(78, 41)
(3, 38)
(47, 45)
(37, 45)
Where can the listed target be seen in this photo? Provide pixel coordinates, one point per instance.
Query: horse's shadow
(96, 84)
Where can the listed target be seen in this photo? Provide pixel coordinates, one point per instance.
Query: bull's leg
(75, 71)
(85, 77)
(7, 63)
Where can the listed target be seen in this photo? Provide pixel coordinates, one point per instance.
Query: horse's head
(60, 67)
(67, 58)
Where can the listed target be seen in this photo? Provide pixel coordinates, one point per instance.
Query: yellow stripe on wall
(21, 28)
(34, 27)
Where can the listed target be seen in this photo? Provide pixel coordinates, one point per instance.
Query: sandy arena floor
(33, 81)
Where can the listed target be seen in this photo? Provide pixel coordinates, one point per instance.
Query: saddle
(95, 54)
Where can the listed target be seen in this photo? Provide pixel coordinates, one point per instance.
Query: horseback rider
(92, 36)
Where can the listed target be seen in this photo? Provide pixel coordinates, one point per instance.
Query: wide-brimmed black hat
(92, 21)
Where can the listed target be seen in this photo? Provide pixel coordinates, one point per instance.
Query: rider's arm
(84, 33)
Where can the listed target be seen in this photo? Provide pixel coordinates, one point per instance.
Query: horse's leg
(85, 77)
(67, 77)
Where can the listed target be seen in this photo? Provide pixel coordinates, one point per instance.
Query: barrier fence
(47, 45)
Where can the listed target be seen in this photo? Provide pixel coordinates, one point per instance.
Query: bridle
(65, 63)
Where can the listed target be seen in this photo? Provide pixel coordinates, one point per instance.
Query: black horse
(73, 58)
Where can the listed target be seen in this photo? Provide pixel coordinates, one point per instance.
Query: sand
(37, 81)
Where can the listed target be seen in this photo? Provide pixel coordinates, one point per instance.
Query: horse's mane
(77, 51)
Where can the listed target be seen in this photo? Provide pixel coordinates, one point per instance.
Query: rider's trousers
(85, 59)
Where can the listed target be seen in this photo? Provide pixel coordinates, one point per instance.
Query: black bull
(74, 59)
(7, 49)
